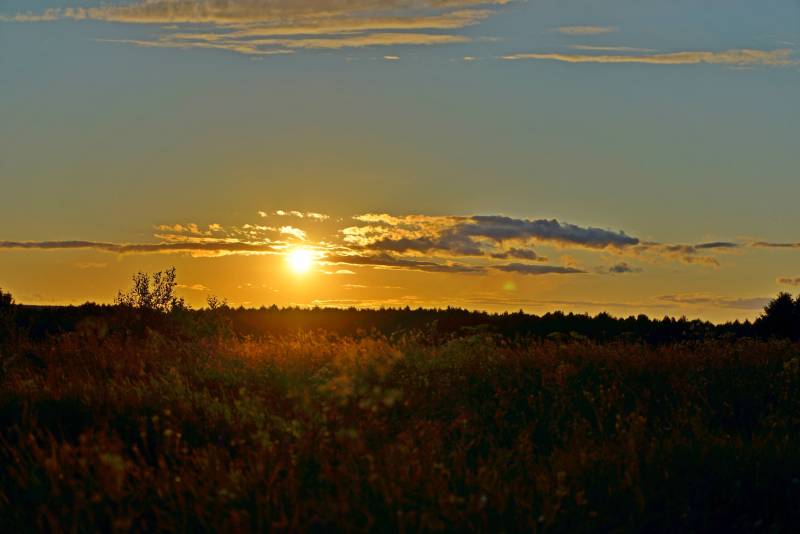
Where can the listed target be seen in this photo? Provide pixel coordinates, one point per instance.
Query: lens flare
(300, 260)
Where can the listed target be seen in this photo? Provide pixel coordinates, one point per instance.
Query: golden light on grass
(300, 260)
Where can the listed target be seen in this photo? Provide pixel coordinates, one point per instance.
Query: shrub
(157, 296)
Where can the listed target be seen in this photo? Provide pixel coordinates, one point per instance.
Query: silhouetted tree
(781, 317)
(6, 301)
(6, 316)
(216, 303)
(158, 295)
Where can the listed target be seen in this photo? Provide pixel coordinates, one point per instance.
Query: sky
(615, 155)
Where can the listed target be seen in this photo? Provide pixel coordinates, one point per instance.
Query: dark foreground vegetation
(147, 419)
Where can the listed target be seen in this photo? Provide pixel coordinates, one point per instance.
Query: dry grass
(311, 432)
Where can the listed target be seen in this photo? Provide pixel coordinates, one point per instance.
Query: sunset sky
(621, 156)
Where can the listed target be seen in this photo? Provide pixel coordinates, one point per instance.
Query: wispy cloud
(247, 12)
(594, 48)
(279, 46)
(194, 287)
(766, 244)
(734, 57)
(789, 281)
(586, 30)
(212, 247)
(387, 261)
(525, 268)
(299, 214)
(268, 27)
(690, 254)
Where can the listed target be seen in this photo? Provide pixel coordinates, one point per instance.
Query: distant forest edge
(152, 305)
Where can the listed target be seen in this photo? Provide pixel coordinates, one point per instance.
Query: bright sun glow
(300, 260)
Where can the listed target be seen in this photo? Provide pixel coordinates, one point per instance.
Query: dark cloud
(716, 244)
(622, 268)
(500, 228)
(388, 261)
(462, 247)
(476, 235)
(525, 268)
(518, 253)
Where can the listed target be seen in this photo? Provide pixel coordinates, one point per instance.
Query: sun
(300, 260)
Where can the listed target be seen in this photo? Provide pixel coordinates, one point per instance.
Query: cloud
(586, 30)
(716, 245)
(191, 229)
(347, 272)
(518, 253)
(623, 268)
(278, 46)
(525, 268)
(502, 228)
(610, 48)
(269, 27)
(294, 232)
(689, 254)
(477, 235)
(48, 15)
(236, 13)
(704, 299)
(299, 214)
(765, 244)
(214, 247)
(473, 244)
(789, 281)
(388, 261)
(733, 57)
(194, 287)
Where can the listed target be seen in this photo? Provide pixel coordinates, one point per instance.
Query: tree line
(151, 304)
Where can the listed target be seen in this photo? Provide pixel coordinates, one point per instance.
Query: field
(315, 432)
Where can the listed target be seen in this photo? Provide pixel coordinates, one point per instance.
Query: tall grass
(316, 432)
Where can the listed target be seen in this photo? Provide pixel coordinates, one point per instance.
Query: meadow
(314, 431)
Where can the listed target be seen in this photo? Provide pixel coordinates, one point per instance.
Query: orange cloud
(586, 30)
(269, 27)
(734, 57)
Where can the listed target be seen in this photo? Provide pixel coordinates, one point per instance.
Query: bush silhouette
(157, 296)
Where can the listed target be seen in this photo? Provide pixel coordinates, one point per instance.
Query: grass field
(312, 432)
